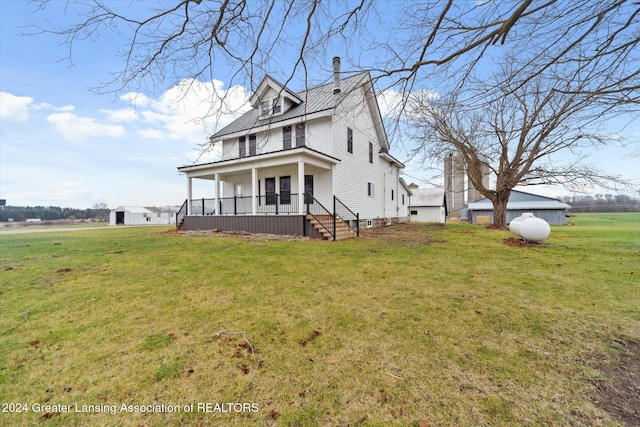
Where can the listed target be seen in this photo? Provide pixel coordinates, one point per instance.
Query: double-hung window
(252, 145)
(286, 138)
(277, 106)
(370, 153)
(242, 147)
(300, 135)
(349, 140)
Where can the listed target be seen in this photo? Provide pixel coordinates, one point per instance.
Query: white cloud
(53, 193)
(152, 133)
(76, 129)
(123, 115)
(14, 108)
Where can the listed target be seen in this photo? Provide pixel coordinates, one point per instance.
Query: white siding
(428, 214)
(317, 137)
(354, 172)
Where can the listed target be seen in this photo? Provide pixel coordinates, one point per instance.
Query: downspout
(384, 198)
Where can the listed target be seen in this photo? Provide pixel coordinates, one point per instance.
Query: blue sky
(62, 144)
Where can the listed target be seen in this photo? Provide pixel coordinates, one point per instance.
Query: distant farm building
(551, 210)
(137, 215)
(427, 205)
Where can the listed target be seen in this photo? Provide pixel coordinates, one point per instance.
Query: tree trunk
(500, 209)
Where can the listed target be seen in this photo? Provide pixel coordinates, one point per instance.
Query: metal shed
(551, 210)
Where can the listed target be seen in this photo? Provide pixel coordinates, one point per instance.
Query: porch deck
(279, 218)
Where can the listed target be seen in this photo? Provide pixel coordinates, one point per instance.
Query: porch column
(254, 191)
(300, 187)
(189, 194)
(217, 206)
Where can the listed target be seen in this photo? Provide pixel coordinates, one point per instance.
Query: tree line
(98, 212)
(602, 203)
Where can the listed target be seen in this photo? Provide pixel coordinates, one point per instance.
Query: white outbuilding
(138, 215)
(427, 205)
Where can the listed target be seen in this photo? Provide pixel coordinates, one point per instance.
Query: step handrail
(356, 216)
(323, 211)
(181, 213)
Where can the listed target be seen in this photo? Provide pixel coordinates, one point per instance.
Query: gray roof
(427, 197)
(314, 100)
(519, 200)
(482, 205)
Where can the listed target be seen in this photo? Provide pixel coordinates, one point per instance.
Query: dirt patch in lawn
(256, 237)
(620, 395)
(407, 233)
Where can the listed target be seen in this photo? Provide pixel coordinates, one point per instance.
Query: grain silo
(473, 194)
(454, 182)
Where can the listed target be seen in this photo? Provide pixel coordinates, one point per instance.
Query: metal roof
(427, 197)
(532, 205)
(519, 200)
(314, 100)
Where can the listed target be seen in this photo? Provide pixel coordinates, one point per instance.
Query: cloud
(52, 193)
(152, 133)
(192, 110)
(124, 115)
(14, 108)
(76, 129)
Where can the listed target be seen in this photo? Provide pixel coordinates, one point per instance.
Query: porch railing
(276, 204)
(321, 214)
(346, 215)
(203, 206)
(286, 203)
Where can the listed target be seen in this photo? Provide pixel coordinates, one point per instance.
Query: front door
(270, 190)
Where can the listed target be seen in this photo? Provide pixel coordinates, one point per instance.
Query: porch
(282, 192)
(276, 217)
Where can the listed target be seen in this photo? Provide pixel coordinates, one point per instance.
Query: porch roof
(274, 158)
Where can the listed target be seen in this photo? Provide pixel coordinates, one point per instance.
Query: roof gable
(269, 83)
(313, 100)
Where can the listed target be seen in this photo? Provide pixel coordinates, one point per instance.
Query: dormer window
(271, 106)
(264, 107)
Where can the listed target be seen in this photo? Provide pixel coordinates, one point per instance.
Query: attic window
(264, 107)
(271, 106)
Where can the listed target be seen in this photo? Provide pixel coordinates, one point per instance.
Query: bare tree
(532, 134)
(189, 39)
(440, 46)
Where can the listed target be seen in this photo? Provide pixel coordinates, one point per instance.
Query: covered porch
(268, 193)
(270, 183)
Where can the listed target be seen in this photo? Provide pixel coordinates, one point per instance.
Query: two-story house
(297, 159)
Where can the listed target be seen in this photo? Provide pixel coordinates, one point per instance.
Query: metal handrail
(343, 216)
(181, 213)
(319, 209)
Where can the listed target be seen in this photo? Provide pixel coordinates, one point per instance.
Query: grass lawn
(413, 324)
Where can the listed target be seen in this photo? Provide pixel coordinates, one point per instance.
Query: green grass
(419, 324)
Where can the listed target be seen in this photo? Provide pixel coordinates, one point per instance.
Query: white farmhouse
(314, 162)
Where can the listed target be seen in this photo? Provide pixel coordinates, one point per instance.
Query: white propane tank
(515, 224)
(534, 229)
